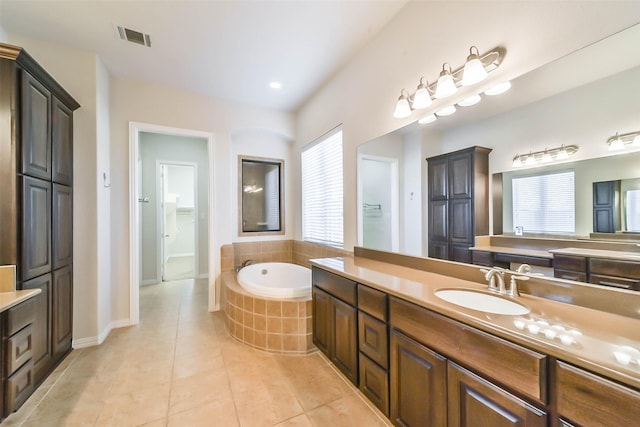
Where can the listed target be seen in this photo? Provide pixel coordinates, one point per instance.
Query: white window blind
(633, 210)
(322, 202)
(545, 203)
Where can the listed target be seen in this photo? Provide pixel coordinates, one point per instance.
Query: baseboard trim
(93, 341)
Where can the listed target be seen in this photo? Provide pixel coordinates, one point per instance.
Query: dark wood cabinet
(36, 128)
(36, 227)
(598, 271)
(606, 196)
(36, 219)
(418, 383)
(474, 401)
(335, 321)
(458, 202)
(587, 399)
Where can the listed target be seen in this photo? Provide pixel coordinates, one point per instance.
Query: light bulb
(498, 89)
(403, 109)
(446, 86)
(636, 141)
(517, 162)
(446, 111)
(562, 154)
(430, 118)
(531, 160)
(616, 144)
(468, 102)
(474, 71)
(422, 97)
(546, 157)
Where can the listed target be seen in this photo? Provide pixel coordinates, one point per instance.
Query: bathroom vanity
(427, 362)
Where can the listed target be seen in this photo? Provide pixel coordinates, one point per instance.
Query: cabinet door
(460, 253)
(461, 176)
(439, 221)
(438, 250)
(605, 196)
(62, 226)
(438, 179)
(474, 401)
(36, 128)
(322, 324)
(418, 384)
(374, 383)
(62, 296)
(36, 227)
(344, 352)
(62, 144)
(461, 221)
(373, 339)
(41, 327)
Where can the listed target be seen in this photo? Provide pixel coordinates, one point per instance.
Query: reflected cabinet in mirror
(260, 196)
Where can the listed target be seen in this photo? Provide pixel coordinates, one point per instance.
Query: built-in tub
(270, 311)
(276, 280)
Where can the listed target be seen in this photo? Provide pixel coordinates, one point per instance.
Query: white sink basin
(482, 301)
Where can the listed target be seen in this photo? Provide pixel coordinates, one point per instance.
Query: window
(545, 203)
(322, 202)
(633, 210)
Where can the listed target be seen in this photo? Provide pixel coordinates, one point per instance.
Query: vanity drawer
(587, 399)
(570, 275)
(372, 302)
(571, 263)
(337, 286)
(19, 387)
(516, 367)
(374, 339)
(374, 383)
(482, 258)
(20, 316)
(615, 282)
(19, 349)
(608, 267)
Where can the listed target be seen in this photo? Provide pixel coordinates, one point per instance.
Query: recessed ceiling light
(275, 85)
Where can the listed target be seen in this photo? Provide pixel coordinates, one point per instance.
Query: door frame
(395, 197)
(160, 214)
(134, 210)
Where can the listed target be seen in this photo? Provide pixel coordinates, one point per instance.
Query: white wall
(4, 37)
(145, 102)
(361, 96)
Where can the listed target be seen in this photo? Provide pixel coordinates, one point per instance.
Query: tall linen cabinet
(36, 189)
(458, 202)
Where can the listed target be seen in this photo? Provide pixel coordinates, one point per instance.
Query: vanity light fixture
(429, 118)
(468, 102)
(498, 89)
(403, 109)
(545, 156)
(476, 69)
(446, 111)
(620, 142)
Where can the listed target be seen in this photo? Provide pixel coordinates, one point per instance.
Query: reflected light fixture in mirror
(498, 89)
(468, 102)
(475, 70)
(429, 118)
(545, 156)
(446, 111)
(620, 142)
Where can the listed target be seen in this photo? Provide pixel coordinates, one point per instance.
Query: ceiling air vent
(132, 36)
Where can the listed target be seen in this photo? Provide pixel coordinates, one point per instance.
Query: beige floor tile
(196, 390)
(348, 411)
(220, 413)
(196, 363)
(299, 421)
(135, 408)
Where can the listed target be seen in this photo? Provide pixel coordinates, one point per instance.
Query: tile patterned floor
(179, 367)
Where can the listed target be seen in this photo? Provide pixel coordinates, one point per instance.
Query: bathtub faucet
(244, 264)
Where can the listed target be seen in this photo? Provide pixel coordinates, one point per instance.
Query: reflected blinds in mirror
(545, 203)
(632, 209)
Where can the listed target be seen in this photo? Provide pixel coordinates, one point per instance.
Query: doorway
(141, 201)
(177, 211)
(378, 208)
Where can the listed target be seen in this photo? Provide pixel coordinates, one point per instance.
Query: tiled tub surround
(276, 326)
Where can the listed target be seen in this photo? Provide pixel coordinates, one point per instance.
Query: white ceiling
(228, 49)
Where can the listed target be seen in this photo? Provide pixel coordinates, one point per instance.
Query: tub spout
(244, 264)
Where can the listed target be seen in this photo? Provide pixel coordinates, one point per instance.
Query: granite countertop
(539, 253)
(595, 336)
(598, 253)
(12, 298)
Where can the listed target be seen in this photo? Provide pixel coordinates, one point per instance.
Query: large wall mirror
(568, 101)
(260, 196)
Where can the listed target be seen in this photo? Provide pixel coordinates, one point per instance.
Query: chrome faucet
(245, 263)
(495, 275)
(513, 285)
(524, 268)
